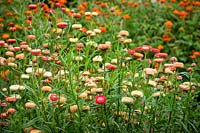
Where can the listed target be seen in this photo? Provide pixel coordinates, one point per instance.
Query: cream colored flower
(152, 83)
(178, 64)
(78, 58)
(137, 93)
(94, 14)
(46, 88)
(97, 58)
(127, 100)
(25, 76)
(73, 40)
(124, 33)
(76, 26)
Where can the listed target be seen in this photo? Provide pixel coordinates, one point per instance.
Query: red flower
(62, 25)
(32, 6)
(53, 97)
(12, 40)
(100, 99)
(131, 51)
(166, 38)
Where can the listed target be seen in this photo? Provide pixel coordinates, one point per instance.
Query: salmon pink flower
(2, 43)
(36, 52)
(100, 99)
(173, 59)
(110, 66)
(155, 50)
(161, 55)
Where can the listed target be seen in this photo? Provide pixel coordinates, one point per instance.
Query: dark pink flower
(100, 99)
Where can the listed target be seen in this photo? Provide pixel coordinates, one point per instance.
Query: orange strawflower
(130, 3)
(196, 3)
(166, 38)
(1, 25)
(182, 14)
(126, 17)
(27, 12)
(3, 74)
(118, 12)
(103, 29)
(168, 24)
(196, 53)
(62, 2)
(81, 7)
(5, 36)
(2, 19)
(83, 30)
(160, 47)
(103, 5)
(173, 1)
(88, 17)
(192, 56)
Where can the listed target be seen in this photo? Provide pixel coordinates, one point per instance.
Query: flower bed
(113, 66)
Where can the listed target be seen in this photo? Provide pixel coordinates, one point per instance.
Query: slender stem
(107, 124)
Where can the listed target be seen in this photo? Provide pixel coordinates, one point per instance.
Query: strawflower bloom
(62, 25)
(101, 99)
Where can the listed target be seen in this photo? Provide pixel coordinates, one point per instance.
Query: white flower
(94, 14)
(97, 31)
(14, 87)
(30, 70)
(25, 76)
(97, 58)
(47, 74)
